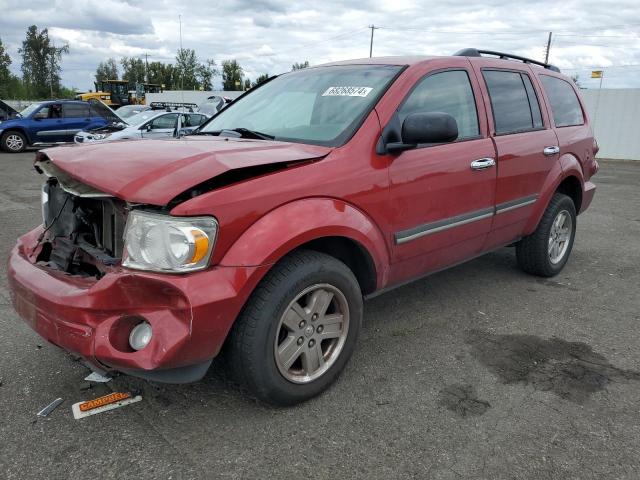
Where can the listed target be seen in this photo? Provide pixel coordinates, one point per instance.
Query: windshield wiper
(245, 131)
(238, 132)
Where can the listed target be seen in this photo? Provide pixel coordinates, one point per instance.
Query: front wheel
(546, 251)
(13, 142)
(298, 329)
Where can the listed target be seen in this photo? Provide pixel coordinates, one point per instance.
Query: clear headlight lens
(168, 244)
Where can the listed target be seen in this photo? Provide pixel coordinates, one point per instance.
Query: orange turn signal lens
(201, 245)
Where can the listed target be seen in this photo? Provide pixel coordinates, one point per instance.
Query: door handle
(548, 151)
(483, 163)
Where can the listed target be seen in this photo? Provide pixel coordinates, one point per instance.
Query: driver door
(443, 195)
(48, 125)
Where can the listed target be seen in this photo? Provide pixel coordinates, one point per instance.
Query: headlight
(99, 136)
(164, 243)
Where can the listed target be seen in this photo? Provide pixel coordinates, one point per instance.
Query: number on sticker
(347, 92)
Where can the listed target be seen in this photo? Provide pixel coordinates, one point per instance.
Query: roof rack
(169, 106)
(473, 52)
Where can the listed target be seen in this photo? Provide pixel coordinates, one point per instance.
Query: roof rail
(473, 52)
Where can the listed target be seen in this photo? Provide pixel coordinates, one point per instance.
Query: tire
(536, 254)
(285, 314)
(13, 142)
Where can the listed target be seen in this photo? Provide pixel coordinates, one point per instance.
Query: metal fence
(615, 116)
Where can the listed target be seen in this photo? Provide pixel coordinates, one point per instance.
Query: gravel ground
(477, 372)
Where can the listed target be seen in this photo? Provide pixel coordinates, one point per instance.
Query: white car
(147, 124)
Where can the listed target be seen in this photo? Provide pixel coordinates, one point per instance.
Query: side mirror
(425, 127)
(147, 127)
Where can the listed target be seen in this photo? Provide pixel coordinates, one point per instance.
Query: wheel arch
(326, 225)
(18, 129)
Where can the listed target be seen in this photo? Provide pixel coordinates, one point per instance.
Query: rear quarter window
(564, 102)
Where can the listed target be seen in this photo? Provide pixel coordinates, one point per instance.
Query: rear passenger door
(442, 204)
(76, 118)
(526, 144)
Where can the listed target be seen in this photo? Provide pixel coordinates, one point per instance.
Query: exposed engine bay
(83, 228)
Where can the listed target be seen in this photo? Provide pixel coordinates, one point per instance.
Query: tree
(247, 84)
(5, 75)
(133, 70)
(205, 72)
(163, 74)
(261, 79)
(41, 63)
(187, 65)
(107, 70)
(231, 75)
(300, 66)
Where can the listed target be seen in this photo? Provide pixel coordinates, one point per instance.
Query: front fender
(567, 166)
(293, 224)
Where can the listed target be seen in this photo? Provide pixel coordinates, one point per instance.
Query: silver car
(148, 124)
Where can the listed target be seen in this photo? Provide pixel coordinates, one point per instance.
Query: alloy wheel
(14, 142)
(560, 236)
(311, 333)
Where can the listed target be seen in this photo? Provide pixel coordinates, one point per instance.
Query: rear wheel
(546, 251)
(13, 142)
(298, 329)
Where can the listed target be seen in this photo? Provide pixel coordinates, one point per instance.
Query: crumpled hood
(156, 171)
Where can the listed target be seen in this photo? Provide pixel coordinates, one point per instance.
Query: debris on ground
(103, 404)
(97, 377)
(46, 411)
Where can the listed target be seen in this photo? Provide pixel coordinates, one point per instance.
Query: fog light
(140, 336)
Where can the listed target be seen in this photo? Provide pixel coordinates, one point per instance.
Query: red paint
(349, 191)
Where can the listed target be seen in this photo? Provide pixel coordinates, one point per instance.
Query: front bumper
(190, 314)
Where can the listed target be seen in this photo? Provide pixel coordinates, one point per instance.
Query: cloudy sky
(267, 36)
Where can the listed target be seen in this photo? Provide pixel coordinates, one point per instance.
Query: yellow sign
(596, 74)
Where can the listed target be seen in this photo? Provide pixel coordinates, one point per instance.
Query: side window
(55, 111)
(75, 110)
(449, 92)
(164, 121)
(564, 102)
(534, 105)
(42, 113)
(513, 101)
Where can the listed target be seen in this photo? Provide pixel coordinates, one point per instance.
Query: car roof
(417, 59)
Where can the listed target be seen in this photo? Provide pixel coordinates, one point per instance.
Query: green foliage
(107, 70)
(5, 61)
(231, 75)
(187, 65)
(205, 72)
(132, 70)
(300, 66)
(163, 74)
(261, 79)
(41, 63)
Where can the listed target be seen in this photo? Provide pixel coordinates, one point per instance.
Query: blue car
(50, 122)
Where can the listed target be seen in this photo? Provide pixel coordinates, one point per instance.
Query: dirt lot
(477, 372)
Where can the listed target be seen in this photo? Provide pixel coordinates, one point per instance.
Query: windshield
(30, 109)
(140, 118)
(321, 105)
(129, 111)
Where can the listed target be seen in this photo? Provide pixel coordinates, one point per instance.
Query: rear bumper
(587, 195)
(190, 314)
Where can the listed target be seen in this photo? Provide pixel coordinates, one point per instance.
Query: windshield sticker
(347, 92)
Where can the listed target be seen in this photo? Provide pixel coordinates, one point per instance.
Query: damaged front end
(83, 228)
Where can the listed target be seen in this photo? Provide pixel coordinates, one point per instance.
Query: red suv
(261, 234)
